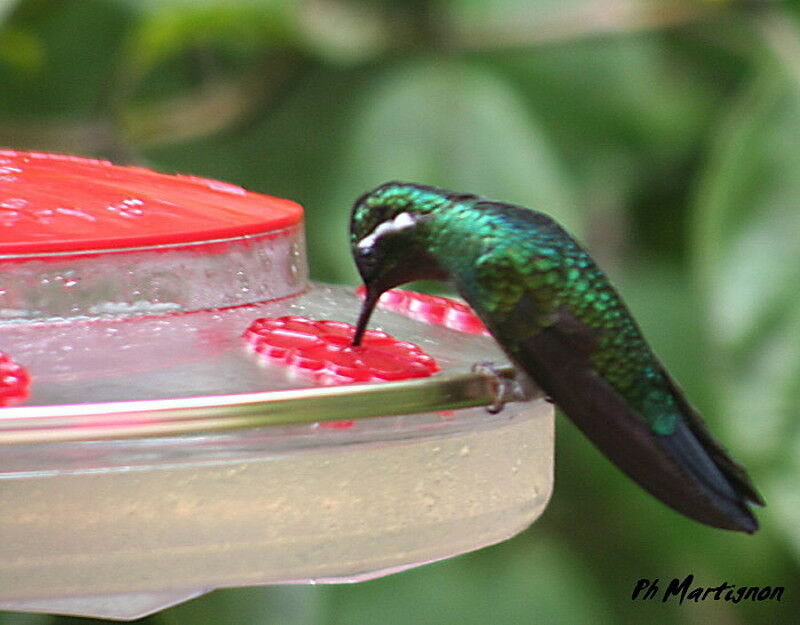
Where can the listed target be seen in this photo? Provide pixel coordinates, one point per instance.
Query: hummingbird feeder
(182, 410)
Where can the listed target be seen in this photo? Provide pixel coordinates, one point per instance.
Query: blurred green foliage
(665, 133)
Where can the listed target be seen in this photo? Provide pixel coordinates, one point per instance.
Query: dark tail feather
(696, 460)
(686, 470)
(733, 472)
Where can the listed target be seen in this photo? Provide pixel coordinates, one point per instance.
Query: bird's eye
(367, 258)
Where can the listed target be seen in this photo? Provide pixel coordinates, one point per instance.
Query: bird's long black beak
(367, 307)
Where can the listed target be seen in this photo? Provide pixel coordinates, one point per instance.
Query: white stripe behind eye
(402, 221)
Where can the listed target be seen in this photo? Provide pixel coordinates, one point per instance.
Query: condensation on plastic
(154, 280)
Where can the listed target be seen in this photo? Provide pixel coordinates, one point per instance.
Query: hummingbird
(560, 321)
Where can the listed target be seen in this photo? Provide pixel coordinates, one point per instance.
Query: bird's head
(389, 239)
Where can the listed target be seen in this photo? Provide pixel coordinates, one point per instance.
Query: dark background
(665, 134)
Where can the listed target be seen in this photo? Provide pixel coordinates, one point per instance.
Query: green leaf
(6, 8)
(73, 47)
(271, 605)
(21, 49)
(343, 33)
(517, 582)
(629, 114)
(457, 126)
(168, 28)
(748, 252)
(23, 618)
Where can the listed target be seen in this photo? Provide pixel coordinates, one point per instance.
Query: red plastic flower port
(14, 381)
(441, 311)
(322, 349)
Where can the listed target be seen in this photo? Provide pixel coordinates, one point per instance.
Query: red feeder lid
(55, 203)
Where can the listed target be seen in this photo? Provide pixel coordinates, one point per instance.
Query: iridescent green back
(506, 259)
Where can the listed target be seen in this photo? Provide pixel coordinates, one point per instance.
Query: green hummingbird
(560, 321)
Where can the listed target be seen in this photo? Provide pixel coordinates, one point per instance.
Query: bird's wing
(688, 470)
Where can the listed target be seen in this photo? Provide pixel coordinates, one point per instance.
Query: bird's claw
(507, 387)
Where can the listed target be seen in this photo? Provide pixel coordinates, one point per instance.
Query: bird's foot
(507, 387)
